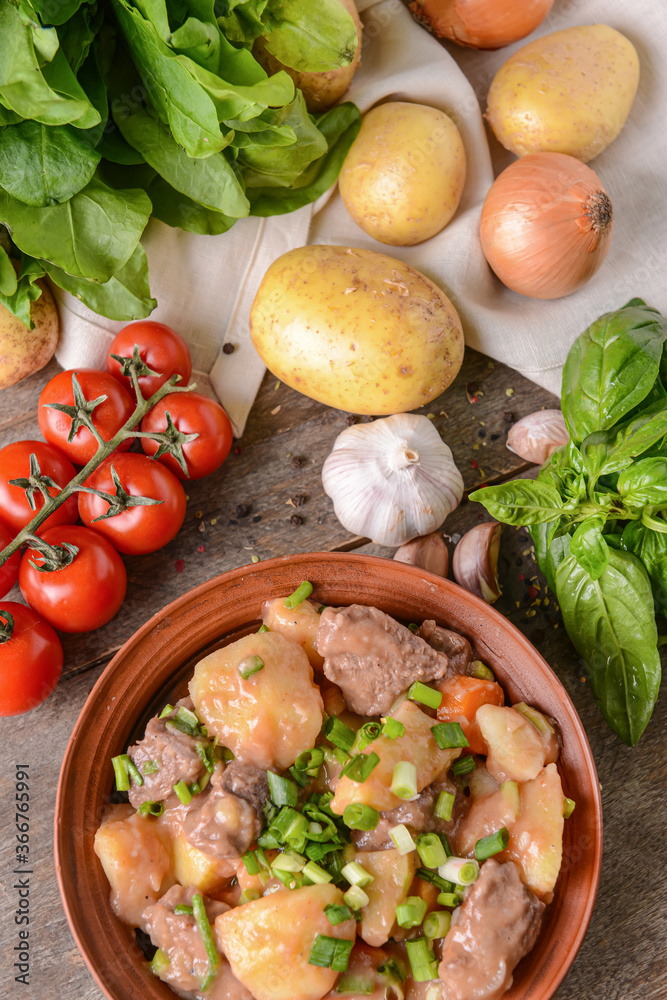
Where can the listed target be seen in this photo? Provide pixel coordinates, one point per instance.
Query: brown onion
(481, 24)
(546, 225)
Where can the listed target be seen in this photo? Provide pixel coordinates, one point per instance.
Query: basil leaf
(311, 36)
(521, 502)
(91, 236)
(611, 451)
(43, 164)
(611, 368)
(550, 548)
(125, 296)
(651, 547)
(611, 623)
(644, 483)
(589, 547)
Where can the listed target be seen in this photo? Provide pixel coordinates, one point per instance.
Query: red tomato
(191, 413)
(9, 570)
(83, 595)
(160, 348)
(31, 659)
(108, 417)
(143, 528)
(15, 464)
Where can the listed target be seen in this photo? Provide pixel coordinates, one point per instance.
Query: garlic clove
(428, 552)
(393, 479)
(536, 437)
(475, 562)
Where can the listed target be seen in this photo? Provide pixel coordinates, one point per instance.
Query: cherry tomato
(15, 464)
(31, 659)
(141, 528)
(191, 413)
(9, 570)
(160, 348)
(83, 595)
(108, 417)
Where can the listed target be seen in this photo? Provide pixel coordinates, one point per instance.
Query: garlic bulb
(537, 436)
(393, 479)
(428, 552)
(475, 562)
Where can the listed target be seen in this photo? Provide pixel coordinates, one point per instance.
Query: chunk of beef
(456, 647)
(225, 818)
(175, 756)
(497, 925)
(419, 817)
(372, 658)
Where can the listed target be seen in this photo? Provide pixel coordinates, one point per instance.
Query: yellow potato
(403, 177)
(356, 329)
(300, 625)
(392, 877)
(269, 718)
(267, 942)
(321, 90)
(569, 92)
(22, 351)
(193, 867)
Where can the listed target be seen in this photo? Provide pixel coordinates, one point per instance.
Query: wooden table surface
(246, 510)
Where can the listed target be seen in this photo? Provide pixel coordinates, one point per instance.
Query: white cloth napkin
(205, 284)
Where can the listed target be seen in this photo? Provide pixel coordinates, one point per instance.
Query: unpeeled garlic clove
(428, 552)
(536, 437)
(475, 562)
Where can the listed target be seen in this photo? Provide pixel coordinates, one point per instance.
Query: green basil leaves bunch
(597, 511)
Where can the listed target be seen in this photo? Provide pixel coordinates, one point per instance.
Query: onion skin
(481, 24)
(546, 225)
(475, 562)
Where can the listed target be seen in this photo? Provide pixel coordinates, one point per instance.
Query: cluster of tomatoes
(72, 575)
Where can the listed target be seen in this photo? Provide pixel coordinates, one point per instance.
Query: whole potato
(569, 92)
(404, 174)
(321, 90)
(22, 351)
(356, 329)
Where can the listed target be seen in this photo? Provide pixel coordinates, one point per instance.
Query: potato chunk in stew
(392, 877)
(300, 624)
(536, 839)
(517, 748)
(271, 716)
(268, 941)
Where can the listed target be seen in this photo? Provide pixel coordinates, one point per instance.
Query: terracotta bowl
(153, 668)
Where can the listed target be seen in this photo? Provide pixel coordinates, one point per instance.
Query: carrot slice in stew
(461, 697)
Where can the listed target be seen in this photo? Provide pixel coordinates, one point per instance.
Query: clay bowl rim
(459, 608)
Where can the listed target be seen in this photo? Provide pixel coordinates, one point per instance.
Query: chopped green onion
(449, 735)
(445, 805)
(437, 924)
(464, 765)
(330, 953)
(224, 753)
(207, 756)
(411, 912)
(150, 767)
(299, 596)
(568, 807)
(251, 863)
(321, 608)
(461, 871)
(310, 760)
(184, 721)
(493, 844)
(289, 862)
(356, 985)
(167, 710)
(355, 897)
(251, 665)
(151, 809)
(195, 788)
(402, 839)
(360, 767)
(338, 733)
(302, 778)
(424, 694)
(316, 874)
(460, 892)
(357, 875)
(183, 792)
(413, 627)
(448, 899)
(360, 817)
(392, 728)
(422, 960)
(204, 926)
(248, 896)
(160, 962)
(481, 671)
(263, 628)
(391, 969)
(440, 883)
(337, 914)
(120, 772)
(283, 791)
(182, 908)
(430, 850)
(370, 731)
(291, 880)
(404, 780)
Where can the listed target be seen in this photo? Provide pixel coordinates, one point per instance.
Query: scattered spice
(238, 450)
(297, 462)
(179, 565)
(199, 514)
(242, 509)
(474, 464)
(256, 518)
(494, 437)
(533, 592)
(214, 520)
(367, 418)
(298, 500)
(430, 416)
(472, 388)
(481, 433)
(296, 520)
(350, 419)
(508, 417)
(201, 548)
(228, 348)
(202, 527)
(509, 392)
(276, 386)
(254, 559)
(276, 409)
